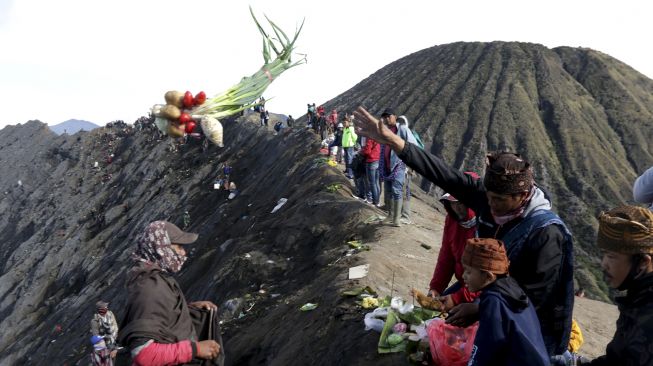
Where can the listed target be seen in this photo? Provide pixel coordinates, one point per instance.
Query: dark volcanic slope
(584, 119)
(68, 231)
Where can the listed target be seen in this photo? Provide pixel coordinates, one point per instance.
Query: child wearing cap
(509, 331)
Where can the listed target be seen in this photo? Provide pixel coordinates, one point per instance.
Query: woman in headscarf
(158, 327)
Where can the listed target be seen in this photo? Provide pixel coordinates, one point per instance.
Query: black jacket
(544, 265)
(632, 344)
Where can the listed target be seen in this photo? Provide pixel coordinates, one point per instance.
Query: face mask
(102, 311)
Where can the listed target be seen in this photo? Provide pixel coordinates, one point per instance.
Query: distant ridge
(73, 126)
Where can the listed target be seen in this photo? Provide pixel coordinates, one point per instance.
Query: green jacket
(349, 137)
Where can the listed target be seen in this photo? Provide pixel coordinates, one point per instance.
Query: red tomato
(188, 99)
(200, 98)
(184, 118)
(190, 126)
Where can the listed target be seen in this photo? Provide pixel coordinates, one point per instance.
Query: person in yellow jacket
(348, 142)
(576, 339)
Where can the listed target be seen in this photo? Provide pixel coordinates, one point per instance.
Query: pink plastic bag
(450, 345)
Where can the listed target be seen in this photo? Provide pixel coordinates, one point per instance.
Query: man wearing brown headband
(510, 207)
(626, 239)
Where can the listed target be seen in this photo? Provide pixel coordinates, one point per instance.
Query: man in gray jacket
(643, 188)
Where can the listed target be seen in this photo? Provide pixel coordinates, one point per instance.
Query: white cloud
(103, 61)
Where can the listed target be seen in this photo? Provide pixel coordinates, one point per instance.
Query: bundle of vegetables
(243, 95)
(182, 110)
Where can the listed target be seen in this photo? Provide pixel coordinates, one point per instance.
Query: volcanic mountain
(582, 118)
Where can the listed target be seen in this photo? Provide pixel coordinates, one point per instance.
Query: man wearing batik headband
(158, 327)
(626, 239)
(510, 207)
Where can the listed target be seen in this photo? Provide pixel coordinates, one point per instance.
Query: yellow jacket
(576, 337)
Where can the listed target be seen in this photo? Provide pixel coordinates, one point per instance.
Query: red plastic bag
(450, 345)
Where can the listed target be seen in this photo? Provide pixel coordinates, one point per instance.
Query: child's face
(475, 279)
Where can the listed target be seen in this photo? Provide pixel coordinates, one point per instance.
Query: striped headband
(627, 230)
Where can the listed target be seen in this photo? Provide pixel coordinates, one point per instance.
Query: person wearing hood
(626, 239)
(104, 324)
(643, 188)
(159, 325)
(459, 226)
(508, 329)
(336, 146)
(512, 208)
(101, 355)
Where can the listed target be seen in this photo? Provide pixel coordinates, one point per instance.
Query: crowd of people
(511, 256)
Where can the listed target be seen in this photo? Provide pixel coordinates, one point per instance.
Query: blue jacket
(508, 329)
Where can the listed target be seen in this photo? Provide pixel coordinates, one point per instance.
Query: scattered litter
(375, 218)
(332, 188)
(370, 303)
(356, 244)
(269, 261)
(359, 271)
(425, 246)
(274, 295)
(332, 163)
(367, 290)
(280, 204)
(400, 328)
(226, 244)
(247, 255)
(410, 256)
(218, 184)
(308, 307)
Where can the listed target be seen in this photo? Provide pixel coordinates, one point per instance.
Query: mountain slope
(584, 119)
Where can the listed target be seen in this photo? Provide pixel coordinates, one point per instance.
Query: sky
(112, 60)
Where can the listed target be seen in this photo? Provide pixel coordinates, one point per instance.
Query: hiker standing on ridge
(372, 151)
(349, 138)
(511, 208)
(159, 327)
(392, 170)
(405, 207)
(290, 121)
(104, 324)
(626, 239)
(459, 226)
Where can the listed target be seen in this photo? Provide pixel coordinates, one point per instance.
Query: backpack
(419, 140)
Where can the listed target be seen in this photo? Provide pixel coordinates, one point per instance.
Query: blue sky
(103, 61)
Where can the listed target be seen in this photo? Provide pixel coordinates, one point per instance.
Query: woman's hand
(368, 126)
(208, 350)
(204, 305)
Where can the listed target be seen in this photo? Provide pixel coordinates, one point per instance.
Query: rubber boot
(396, 212)
(389, 206)
(405, 213)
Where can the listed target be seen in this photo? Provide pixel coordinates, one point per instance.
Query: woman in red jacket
(372, 153)
(459, 225)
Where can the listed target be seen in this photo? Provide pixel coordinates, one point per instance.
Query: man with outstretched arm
(511, 208)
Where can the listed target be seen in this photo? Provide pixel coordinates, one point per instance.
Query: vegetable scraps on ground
(183, 111)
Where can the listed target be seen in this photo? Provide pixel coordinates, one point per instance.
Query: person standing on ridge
(392, 170)
(349, 138)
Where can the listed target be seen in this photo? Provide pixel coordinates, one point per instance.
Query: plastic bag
(451, 345)
(212, 129)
